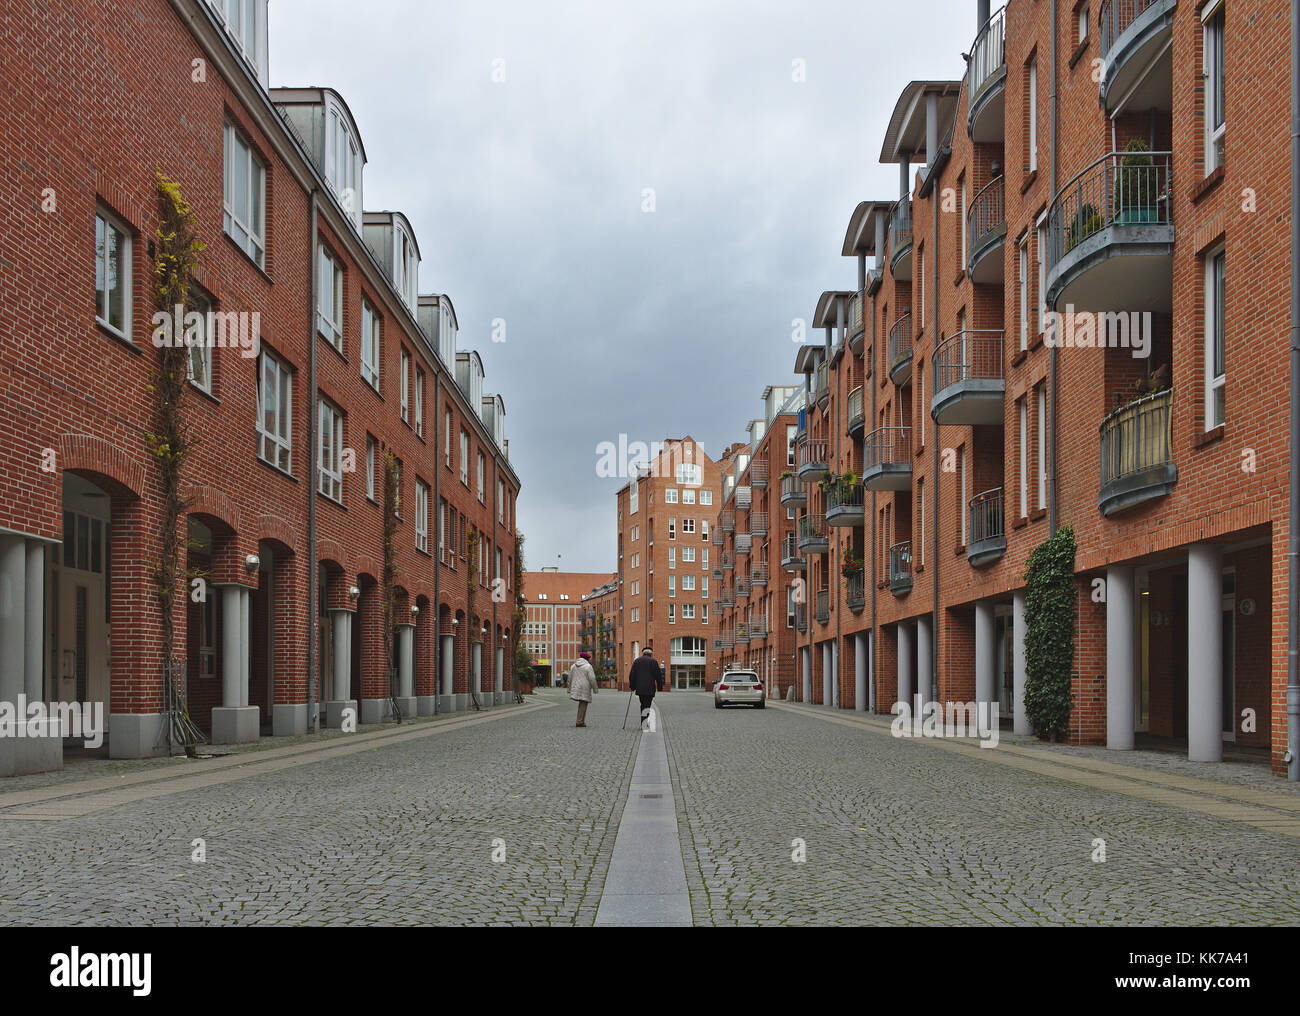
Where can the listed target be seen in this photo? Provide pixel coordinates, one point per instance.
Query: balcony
(887, 459)
(717, 538)
(986, 81)
(900, 350)
(986, 231)
(844, 507)
(724, 641)
(857, 326)
(812, 534)
(1134, 37)
(822, 384)
(742, 632)
(900, 240)
(856, 591)
(801, 617)
(758, 475)
(988, 535)
(758, 626)
(1110, 236)
(744, 498)
(812, 461)
(1136, 453)
(823, 606)
(742, 543)
(758, 523)
(726, 562)
(726, 597)
(791, 559)
(742, 588)
(727, 520)
(792, 491)
(758, 575)
(857, 419)
(968, 381)
(900, 568)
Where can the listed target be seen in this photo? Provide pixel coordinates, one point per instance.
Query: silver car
(738, 687)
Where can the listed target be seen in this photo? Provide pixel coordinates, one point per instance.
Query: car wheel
(760, 704)
(717, 704)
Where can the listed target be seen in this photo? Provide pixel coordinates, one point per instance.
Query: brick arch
(272, 527)
(332, 550)
(367, 565)
(212, 503)
(87, 454)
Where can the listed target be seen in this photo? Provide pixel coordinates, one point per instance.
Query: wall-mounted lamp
(251, 562)
(415, 609)
(354, 594)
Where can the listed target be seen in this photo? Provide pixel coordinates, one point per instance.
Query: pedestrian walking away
(582, 685)
(645, 679)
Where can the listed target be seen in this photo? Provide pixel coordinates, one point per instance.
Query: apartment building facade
(667, 512)
(1063, 319)
(555, 618)
(600, 629)
(342, 365)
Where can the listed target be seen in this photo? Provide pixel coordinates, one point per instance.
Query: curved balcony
(791, 559)
(792, 491)
(986, 81)
(812, 460)
(900, 240)
(856, 591)
(758, 475)
(900, 350)
(845, 507)
(758, 575)
(857, 326)
(823, 606)
(887, 459)
(812, 534)
(986, 232)
(1110, 236)
(988, 535)
(968, 380)
(900, 568)
(1136, 66)
(758, 523)
(724, 641)
(857, 419)
(1137, 462)
(822, 386)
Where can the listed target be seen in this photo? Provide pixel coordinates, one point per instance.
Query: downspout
(442, 527)
(1052, 379)
(840, 327)
(313, 592)
(1293, 576)
(874, 574)
(934, 472)
(496, 528)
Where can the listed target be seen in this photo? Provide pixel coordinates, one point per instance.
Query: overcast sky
(527, 199)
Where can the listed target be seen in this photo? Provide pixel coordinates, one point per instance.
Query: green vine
(178, 247)
(523, 662)
(1049, 634)
(474, 568)
(388, 593)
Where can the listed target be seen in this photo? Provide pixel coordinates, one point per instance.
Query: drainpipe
(1052, 380)
(313, 592)
(934, 472)
(442, 529)
(931, 132)
(839, 549)
(872, 383)
(1293, 576)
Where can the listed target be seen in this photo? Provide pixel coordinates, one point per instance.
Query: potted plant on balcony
(1137, 185)
(1086, 222)
(840, 486)
(851, 566)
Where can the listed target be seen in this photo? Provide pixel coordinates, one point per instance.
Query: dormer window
(407, 267)
(343, 162)
(245, 23)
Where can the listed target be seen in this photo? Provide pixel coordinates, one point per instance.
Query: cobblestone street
(397, 827)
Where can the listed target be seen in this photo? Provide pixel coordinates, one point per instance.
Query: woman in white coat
(582, 685)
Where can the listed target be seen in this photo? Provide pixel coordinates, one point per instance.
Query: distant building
(553, 618)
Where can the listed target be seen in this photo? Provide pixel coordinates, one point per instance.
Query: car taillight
(723, 687)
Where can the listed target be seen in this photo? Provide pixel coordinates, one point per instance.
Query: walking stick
(628, 710)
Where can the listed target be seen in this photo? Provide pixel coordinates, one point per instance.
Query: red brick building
(341, 362)
(1068, 316)
(600, 628)
(555, 618)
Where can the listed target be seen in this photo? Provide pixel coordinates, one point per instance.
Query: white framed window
(672, 613)
(920, 276)
(198, 366)
(688, 526)
(407, 267)
(329, 459)
(1215, 120)
(704, 529)
(464, 458)
(244, 215)
(688, 554)
(1215, 345)
(670, 495)
(442, 529)
(419, 402)
(482, 489)
(501, 501)
(920, 508)
(405, 386)
(704, 613)
(370, 344)
(1022, 280)
(245, 21)
(632, 497)
(672, 586)
(688, 496)
(672, 557)
(688, 612)
(688, 583)
(704, 587)
(1022, 410)
(704, 557)
(275, 413)
(963, 223)
(1081, 22)
(672, 529)
(921, 403)
(372, 448)
(112, 275)
(791, 439)
(1042, 445)
(329, 300)
(706, 497)
(1041, 243)
(421, 516)
(690, 474)
(1032, 110)
(965, 494)
(343, 163)
(446, 438)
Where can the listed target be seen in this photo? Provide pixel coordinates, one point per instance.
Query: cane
(628, 710)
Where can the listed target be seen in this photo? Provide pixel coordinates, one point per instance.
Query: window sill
(272, 466)
(1208, 437)
(1031, 177)
(200, 390)
(1211, 181)
(332, 500)
(121, 338)
(330, 342)
(919, 569)
(959, 550)
(249, 258)
(1079, 50)
(961, 277)
(1021, 522)
(1019, 357)
(1036, 340)
(1037, 513)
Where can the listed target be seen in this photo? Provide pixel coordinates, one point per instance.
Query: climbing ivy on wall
(1049, 634)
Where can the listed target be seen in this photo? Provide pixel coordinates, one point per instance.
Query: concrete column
(447, 657)
(406, 670)
(232, 622)
(1021, 723)
(476, 666)
(931, 129)
(924, 669)
(805, 657)
(34, 637)
(235, 721)
(871, 670)
(1204, 653)
(835, 673)
(499, 671)
(905, 662)
(904, 177)
(981, 13)
(860, 694)
(341, 704)
(246, 637)
(880, 238)
(1120, 653)
(828, 674)
(986, 653)
(13, 617)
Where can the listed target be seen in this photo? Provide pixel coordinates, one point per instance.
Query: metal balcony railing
(856, 586)
(1120, 189)
(726, 640)
(987, 54)
(972, 355)
(900, 341)
(838, 499)
(823, 605)
(727, 520)
(792, 490)
(791, 558)
(726, 562)
(856, 416)
(718, 536)
(758, 626)
(900, 227)
(986, 522)
(758, 523)
(812, 455)
(812, 530)
(822, 384)
(744, 498)
(758, 574)
(742, 632)
(1115, 17)
(1136, 437)
(801, 617)
(887, 446)
(726, 597)
(986, 218)
(743, 541)
(758, 475)
(855, 315)
(900, 565)
(742, 587)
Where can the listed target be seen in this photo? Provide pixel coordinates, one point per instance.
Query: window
(670, 495)
(1041, 239)
(672, 557)
(442, 530)
(198, 367)
(1214, 88)
(688, 611)
(920, 276)
(419, 402)
(501, 501)
(1215, 373)
(112, 276)
(464, 458)
(343, 163)
(791, 439)
(1081, 23)
(789, 607)
(369, 345)
(963, 223)
(242, 19)
(1022, 253)
(690, 473)
(405, 381)
(245, 197)
(329, 459)
(706, 497)
(704, 588)
(688, 497)
(688, 582)
(704, 529)
(920, 507)
(461, 538)
(421, 516)
(688, 554)
(965, 515)
(1042, 445)
(407, 267)
(1031, 113)
(371, 448)
(672, 586)
(672, 529)
(397, 488)
(920, 385)
(704, 557)
(1022, 410)
(632, 498)
(481, 480)
(329, 300)
(275, 413)
(688, 525)
(446, 438)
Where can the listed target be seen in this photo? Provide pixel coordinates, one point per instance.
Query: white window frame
(670, 495)
(688, 554)
(1033, 114)
(1215, 341)
(688, 526)
(406, 265)
(104, 222)
(329, 298)
(706, 497)
(198, 365)
(1212, 24)
(343, 162)
(1023, 254)
(920, 502)
(329, 450)
(672, 557)
(249, 235)
(688, 496)
(1041, 397)
(1022, 409)
(371, 343)
(275, 447)
(672, 586)
(404, 381)
(372, 449)
(1040, 235)
(464, 458)
(688, 612)
(965, 492)
(481, 477)
(419, 402)
(421, 515)
(963, 224)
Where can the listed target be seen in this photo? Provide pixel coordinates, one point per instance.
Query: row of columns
(22, 617)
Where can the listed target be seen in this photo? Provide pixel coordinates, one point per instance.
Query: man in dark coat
(646, 677)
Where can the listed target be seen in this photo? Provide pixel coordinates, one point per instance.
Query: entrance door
(83, 664)
(1005, 641)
